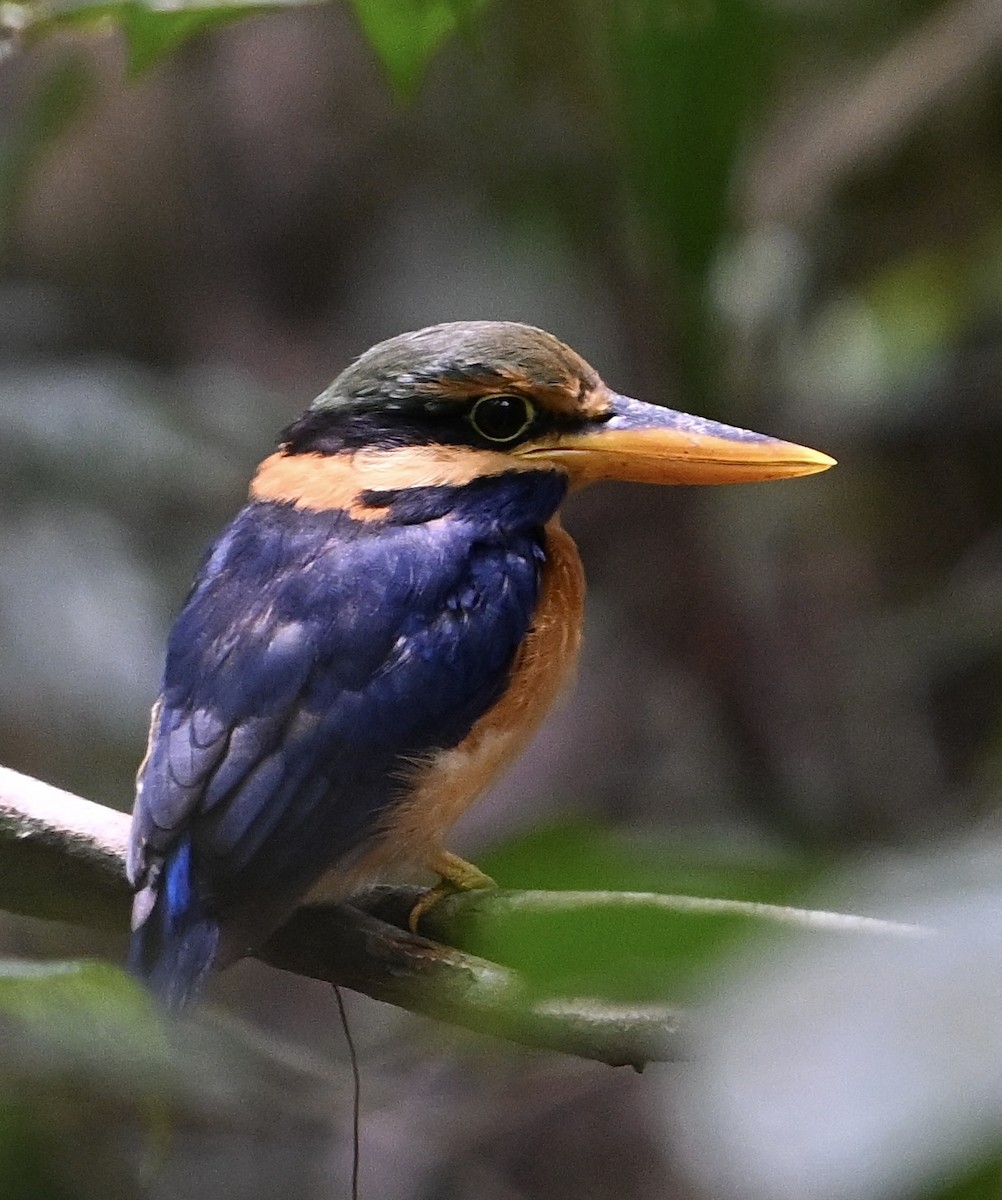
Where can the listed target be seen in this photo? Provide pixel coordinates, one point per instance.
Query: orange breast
(443, 789)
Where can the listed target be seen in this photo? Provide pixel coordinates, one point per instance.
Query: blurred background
(784, 214)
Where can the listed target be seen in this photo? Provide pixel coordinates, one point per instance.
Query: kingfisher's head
(452, 403)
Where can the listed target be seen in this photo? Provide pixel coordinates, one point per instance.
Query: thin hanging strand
(356, 1090)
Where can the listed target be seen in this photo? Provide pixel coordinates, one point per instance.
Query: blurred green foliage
(149, 32)
(407, 33)
(578, 856)
(59, 99)
(95, 1081)
(79, 1043)
(627, 953)
(690, 82)
(982, 1181)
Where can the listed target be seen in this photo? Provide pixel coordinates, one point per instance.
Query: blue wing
(314, 656)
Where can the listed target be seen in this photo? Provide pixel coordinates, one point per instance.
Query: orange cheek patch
(313, 481)
(337, 481)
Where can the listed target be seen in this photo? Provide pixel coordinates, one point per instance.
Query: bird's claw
(455, 875)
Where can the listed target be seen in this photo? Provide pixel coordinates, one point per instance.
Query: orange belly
(442, 790)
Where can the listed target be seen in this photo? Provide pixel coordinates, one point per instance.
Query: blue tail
(175, 945)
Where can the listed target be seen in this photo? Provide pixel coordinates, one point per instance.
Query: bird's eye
(502, 418)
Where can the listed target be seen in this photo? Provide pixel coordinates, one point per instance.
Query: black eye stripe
(439, 408)
(502, 418)
(430, 421)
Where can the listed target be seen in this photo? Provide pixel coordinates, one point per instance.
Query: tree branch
(63, 858)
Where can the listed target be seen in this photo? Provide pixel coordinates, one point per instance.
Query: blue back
(315, 657)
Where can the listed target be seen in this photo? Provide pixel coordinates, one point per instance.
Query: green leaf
(27, 1169)
(79, 1020)
(615, 954)
(90, 1026)
(80, 1045)
(55, 102)
(981, 1181)
(627, 952)
(95, 1077)
(150, 33)
(406, 34)
(578, 856)
(690, 79)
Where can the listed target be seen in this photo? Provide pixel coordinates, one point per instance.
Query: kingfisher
(382, 627)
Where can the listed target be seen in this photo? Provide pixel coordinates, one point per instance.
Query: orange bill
(644, 443)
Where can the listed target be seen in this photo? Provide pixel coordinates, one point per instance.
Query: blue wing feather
(314, 656)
